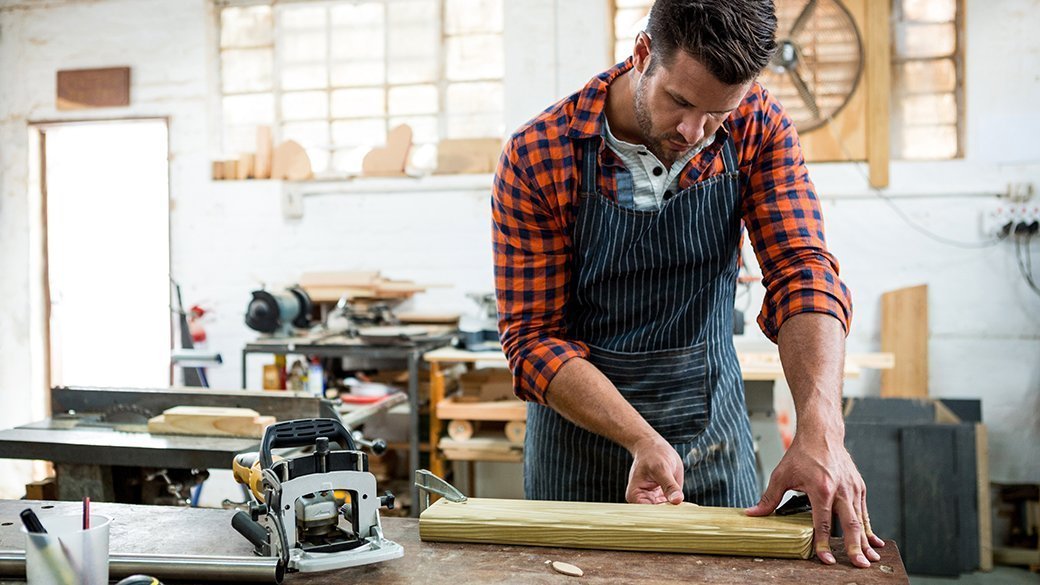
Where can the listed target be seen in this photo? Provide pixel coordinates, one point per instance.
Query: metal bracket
(429, 483)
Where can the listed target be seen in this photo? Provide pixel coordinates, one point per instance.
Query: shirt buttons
(658, 171)
(668, 194)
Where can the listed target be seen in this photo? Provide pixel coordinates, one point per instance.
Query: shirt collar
(592, 100)
(586, 122)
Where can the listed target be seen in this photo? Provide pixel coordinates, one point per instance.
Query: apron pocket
(668, 388)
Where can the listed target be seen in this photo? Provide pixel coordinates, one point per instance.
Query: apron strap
(589, 167)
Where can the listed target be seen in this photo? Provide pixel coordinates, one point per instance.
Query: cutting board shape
(685, 528)
(290, 162)
(389, 160)
(210, 421)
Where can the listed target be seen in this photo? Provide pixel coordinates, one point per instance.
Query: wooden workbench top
(169, 530)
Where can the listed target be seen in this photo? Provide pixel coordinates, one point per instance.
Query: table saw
(195, 532)
(98, 441)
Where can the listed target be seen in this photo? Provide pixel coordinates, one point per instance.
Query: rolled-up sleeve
(783, 218)
(532, 270)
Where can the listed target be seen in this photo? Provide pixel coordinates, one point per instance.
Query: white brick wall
(228, 237)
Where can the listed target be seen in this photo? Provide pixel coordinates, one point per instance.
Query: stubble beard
(656, 143)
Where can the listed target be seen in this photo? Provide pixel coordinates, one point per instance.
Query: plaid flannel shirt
(535, 197)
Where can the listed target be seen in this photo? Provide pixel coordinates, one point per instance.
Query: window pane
(305, 105)
(304, 76)
(359, 73)
(473, 16)
(239, 139)
(303, 47)
(359, 132)
(413, 99)
(302, 16)
(484, 97)
(412, 12)
(917, 41)
(245, 27)
(475, 126)
(360, 15)
(919, 110)
(357, 103)
(424, 128)
(474, 57)
(930, 10)
(412, 71)
(933, 76)
(249, 109)
(357, 44)
(929, 142)
(246, 70)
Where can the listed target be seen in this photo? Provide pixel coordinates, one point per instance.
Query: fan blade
(803, 90)
(803, 17)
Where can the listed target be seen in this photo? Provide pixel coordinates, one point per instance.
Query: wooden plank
(486, 446)
(264, 152)
(904, 332)
(210, 421)
(93, 88)
(498, 410)
(450, 354)
(985, 504)
(467, 155)
(930, 495)
(878, 77)
(686, 528)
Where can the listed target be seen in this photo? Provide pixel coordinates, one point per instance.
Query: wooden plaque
(93, 88)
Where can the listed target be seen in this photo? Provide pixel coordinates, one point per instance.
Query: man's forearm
(812, 350)
(584, 396)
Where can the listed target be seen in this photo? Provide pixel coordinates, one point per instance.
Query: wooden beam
(984, 506)
(685, 528)
(878, 75)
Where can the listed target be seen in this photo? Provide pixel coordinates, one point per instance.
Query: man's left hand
(825, 472)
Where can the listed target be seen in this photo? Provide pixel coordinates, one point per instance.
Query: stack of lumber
(685, 528)
(485, 385)
(331, 286)
(214, 421)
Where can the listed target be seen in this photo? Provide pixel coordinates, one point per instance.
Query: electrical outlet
(1009, 216)
(292, 203)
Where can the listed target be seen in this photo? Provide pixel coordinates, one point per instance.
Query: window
(927, 69)
(336, 75)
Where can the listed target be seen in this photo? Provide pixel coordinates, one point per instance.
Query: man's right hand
(656, 476)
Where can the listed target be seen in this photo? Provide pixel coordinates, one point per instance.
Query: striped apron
(652, 297)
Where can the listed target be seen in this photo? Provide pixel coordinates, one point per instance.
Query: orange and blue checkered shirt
(535, 196)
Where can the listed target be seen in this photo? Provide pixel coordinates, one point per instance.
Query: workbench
(187, 531)
(358, 355)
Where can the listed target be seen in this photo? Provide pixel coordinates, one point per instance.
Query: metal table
(193, 531)
(358, 355)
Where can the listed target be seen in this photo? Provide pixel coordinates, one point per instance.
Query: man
(617, 220)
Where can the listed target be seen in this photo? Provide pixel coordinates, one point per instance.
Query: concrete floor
(999, 576)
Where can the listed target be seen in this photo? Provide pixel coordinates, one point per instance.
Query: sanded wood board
(904, 333)
(210, 421)
(497, 410)
(685, 528)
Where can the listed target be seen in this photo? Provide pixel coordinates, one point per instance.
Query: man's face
(680, 106)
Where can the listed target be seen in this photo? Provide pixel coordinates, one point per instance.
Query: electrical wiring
(1025, 261)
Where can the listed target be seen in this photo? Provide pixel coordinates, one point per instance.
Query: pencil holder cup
(67, 554)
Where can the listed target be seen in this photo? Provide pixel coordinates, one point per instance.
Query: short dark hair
(734, 39)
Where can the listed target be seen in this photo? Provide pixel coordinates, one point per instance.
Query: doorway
(106, 221)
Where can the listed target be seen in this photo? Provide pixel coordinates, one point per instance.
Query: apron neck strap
(589, 167)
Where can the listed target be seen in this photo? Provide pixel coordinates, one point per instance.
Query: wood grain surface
(196, 531)
(684, 528)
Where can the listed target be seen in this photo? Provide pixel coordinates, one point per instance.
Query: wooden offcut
(468, 155)
(290, 162)
(210, 421)
(685, 528)
(264, 153)
(389, 160)
(93, 88)
(904, 333)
